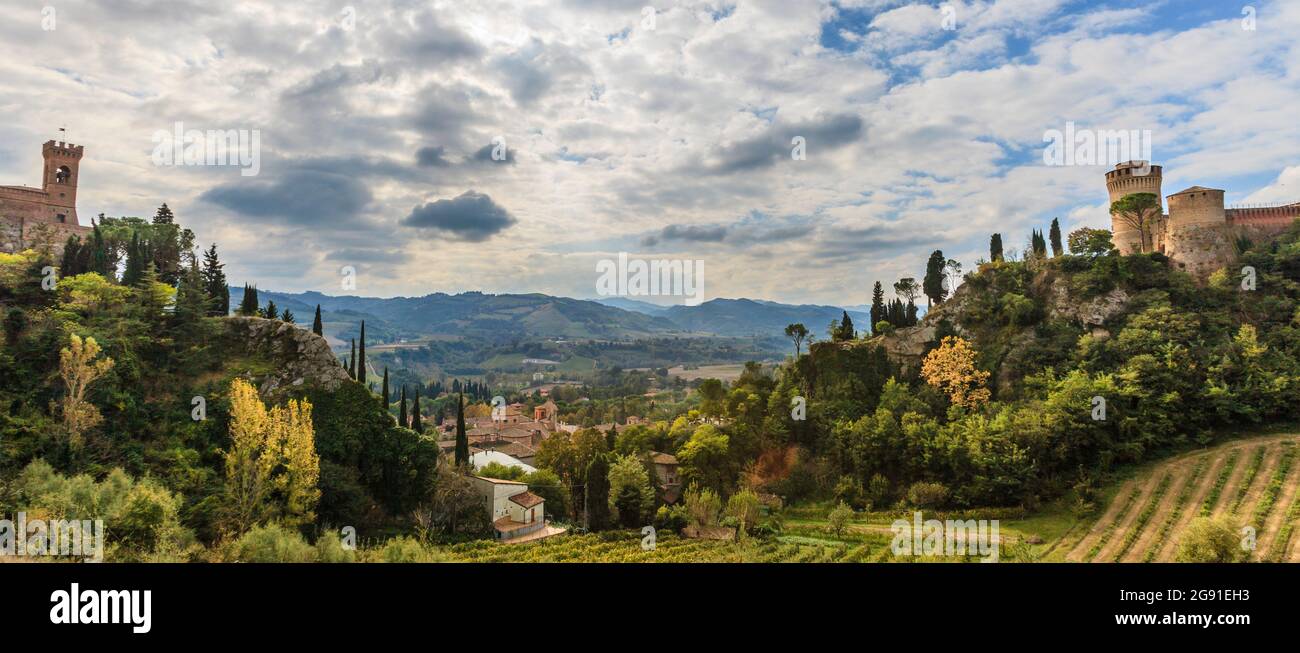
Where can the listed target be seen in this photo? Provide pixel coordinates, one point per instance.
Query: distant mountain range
(537, 315)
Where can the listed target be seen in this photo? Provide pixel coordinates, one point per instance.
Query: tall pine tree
(164, 215)
(214, 283)
(384, 398)
(995, 247)
(316, 326)
(877, 306)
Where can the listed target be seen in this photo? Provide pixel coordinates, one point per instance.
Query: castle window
(61, 217)
(62, 174)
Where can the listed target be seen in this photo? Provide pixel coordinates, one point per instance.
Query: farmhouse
(515, 512)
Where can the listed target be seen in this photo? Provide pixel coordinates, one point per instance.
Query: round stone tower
(1130, 178)
(1198, 239)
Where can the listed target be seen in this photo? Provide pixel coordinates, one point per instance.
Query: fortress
(32, 216)
(1197, 232)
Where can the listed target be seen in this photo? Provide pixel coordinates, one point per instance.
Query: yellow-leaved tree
(951, 368)
(272, 469)
(79, 369)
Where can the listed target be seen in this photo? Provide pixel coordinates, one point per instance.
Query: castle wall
(1200, 249)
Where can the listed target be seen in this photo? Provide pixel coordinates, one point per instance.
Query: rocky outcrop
(298, 355)
(906, 346)
(1092, 314)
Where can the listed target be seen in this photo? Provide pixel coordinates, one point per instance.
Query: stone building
(30, 216)
(1197, 232)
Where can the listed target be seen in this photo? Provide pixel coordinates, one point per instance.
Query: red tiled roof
(526, 499)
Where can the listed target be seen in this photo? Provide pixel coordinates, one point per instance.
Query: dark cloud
(744, 233)
(299, 197)
(525, 78)
(687, 233)
(425, 39)
(333, 79)
(471, 216)
(445, 110)
(431, 157)
(764, 150)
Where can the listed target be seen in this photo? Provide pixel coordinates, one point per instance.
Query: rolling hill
(511, 316)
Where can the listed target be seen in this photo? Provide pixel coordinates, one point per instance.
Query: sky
(801, 149)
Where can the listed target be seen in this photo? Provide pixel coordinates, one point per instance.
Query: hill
(496, 317)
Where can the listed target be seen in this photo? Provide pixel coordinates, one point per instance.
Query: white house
(514, 510)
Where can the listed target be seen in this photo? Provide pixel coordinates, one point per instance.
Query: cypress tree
(932, 284)
(316, 326)
(384, 398)
(847, 332)
(352, 361)
(597, 493)
(361, 356)
(462, 440)
(995, 247)
(417, 424)
(401, 409)
(99, 253)
(248, 305)
(134, 262)
(1055, 234)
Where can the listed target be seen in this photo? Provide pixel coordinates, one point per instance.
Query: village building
(667, 480)
(514, 511)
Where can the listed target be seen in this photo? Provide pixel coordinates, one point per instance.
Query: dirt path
(1193, 507)
(1243, 511)
(1276, 518)
(1112, 546)
(1182, 472)
(1090, 538)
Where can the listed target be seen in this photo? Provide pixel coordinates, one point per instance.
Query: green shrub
(927, 495)
(273, 543)
(407, 549)
(329, 548)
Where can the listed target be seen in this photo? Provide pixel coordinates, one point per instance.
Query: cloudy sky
(663, 132)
